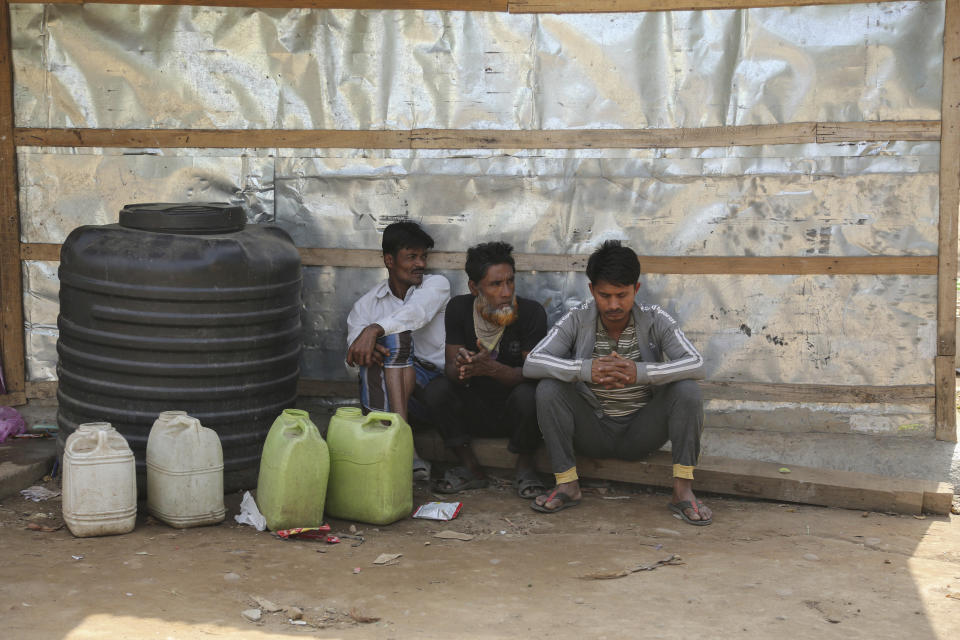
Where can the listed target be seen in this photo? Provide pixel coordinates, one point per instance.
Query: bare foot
(683, 492)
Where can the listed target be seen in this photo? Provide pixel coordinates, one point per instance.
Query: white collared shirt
(421, 311)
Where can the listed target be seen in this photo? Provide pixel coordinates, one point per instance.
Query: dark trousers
(484, 410)
(570, 425)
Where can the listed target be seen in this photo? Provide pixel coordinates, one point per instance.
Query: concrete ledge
(749, 478)
(23, 462)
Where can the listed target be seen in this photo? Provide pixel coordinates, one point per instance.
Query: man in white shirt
(395, 331)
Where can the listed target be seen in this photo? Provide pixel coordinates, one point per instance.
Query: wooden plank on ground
(747, 478)
(946, 382)
(328, 388)
(41, 390)
(949, 183)
(11, 284)
(779, 392)
(937, 497)
(607, 6)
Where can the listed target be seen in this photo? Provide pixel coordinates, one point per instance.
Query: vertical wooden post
(11, 294)
(949, 206)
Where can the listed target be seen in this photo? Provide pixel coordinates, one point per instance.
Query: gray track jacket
(566, 351)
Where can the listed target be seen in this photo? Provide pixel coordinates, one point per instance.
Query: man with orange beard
(483, 392)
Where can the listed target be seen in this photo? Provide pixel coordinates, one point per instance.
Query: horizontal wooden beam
(328, 389)
(915, 130)
(513, 6)
(714, 265)
(937, 497)
(724, 390)
(748, 135)
(712, 390)
(813, 265)
(801, 132)
(14, 399)
(610, 6)
(372, 258)
(40, 251)
(749, 478)
(438, 5)
(690, 265)
(213, 138)
(41, 390)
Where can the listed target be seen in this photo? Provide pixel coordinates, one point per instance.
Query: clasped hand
(613, 371)
(474, 363)
(365, 350)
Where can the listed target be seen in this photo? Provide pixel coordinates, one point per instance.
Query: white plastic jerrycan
(184, 472)
(99, 482)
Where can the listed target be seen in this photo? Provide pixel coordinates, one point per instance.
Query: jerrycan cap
(193, 218)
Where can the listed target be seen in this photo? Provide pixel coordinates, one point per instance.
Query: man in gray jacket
(618, 381)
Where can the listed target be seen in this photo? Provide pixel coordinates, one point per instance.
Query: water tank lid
(197, 217)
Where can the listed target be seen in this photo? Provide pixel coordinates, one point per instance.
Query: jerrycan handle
(294, 430)
(102, 437)
(374, 417)
(181, 421)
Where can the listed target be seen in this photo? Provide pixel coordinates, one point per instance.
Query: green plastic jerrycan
(371, 467)
(294, 468)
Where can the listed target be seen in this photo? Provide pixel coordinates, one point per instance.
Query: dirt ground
(761, 569)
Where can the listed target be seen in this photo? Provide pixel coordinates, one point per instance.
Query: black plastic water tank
(180, 307)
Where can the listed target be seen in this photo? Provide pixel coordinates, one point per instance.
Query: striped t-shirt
(619, 402)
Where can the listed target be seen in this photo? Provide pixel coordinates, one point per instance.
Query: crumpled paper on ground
(38, 493)
(388, 558)
(250, 514)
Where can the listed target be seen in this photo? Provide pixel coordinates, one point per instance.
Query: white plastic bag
(250, 514)
(38, 493)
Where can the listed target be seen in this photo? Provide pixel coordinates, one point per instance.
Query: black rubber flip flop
(528, 484)
(460, 479)
(565, 503)
(679, 507)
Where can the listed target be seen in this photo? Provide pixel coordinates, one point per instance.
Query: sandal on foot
(565, 502)
(460, 479)
(528, 484)
(421, 469)
(680, 507)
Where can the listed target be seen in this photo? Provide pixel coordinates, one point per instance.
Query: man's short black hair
(405, 235)
(483, 256)
(613, 263)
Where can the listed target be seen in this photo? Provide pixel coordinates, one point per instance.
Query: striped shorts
(373, 386)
